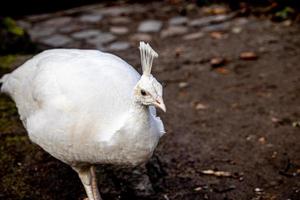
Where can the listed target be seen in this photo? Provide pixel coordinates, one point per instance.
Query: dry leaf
(222, 70)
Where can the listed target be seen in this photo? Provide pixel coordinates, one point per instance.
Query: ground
(232, 121)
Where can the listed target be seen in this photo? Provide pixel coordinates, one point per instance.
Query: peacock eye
(143, 92)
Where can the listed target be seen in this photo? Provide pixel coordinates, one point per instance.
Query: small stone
(236, 30)
(101, 39)
(200, 106)
(217, 35)
(178, 20)
(241, 21)
(24, 24)
(39, 32)
(250, 137)
(56, 40)
(296, 124)
(193, 36)
(119, 30)
(90, 18)
(248, 55)
(118, 46)
(174, 31)
(183, 84)
(262, 140)
(74, 27)
(120, 20)
(287, 23)
(274, 155)
(115, 11)
(150, 26)
(217, 27)
(258, 190)
(217, 61)
(198, 189)
(57, 22)
(204, 21)
(141, 37)
(85, 34)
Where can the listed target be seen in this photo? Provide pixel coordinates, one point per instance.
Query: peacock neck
(140, 112)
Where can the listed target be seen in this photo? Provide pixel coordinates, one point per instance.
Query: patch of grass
(12, 26)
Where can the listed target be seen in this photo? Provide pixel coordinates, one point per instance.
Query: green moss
(9, 119)
(6, 63)
(285, 13)
(12, 27)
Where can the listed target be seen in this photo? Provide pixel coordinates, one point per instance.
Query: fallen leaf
(248, 55)
(216, 10)
(222, 70)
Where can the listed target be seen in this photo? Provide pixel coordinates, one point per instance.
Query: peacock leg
(85, 176)
(95, 190)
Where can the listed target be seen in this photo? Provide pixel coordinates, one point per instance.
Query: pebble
(236, 30)
(183, 84)
(102, 38)
(24, 24)
(241, 21)
(200, 106)
(150, 26)
(115, 11)
(217, 61)
(178, 20)
(258, 190)
(193, 36)
(216, 27)
(74, 27)
(38, 32)
(204, 21)
(90, 18)
(248, 55)
(118, 46)
(141, 37)
(56, 22)
(86, 34)
(56, 40)
(120, 20)
(119, 30)
(174, 31)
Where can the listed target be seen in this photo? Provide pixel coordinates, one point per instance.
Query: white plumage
(87, 107)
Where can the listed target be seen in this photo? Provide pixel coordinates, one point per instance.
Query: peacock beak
(159, 103)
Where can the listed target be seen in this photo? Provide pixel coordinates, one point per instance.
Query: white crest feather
(147, 56)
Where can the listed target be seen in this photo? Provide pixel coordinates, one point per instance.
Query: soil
(242, 118)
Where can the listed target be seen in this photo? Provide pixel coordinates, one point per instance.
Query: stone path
(120, 28)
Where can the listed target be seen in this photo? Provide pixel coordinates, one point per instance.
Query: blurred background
(230, 70)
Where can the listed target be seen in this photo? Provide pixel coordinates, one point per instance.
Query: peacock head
(148, 91)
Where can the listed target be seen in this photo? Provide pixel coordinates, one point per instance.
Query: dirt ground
(241, 118)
